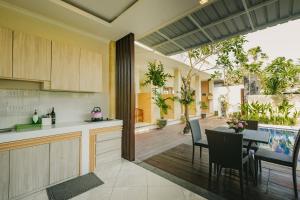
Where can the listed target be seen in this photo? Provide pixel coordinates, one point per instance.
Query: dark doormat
(73, 187)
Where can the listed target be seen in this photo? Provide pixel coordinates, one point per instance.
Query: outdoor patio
(169, 153)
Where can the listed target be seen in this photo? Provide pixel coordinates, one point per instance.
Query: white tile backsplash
(17, 106)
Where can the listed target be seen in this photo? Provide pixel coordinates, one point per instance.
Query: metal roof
(219, 20)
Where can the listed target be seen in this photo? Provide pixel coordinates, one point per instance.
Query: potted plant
(204, 107)
(158, 78)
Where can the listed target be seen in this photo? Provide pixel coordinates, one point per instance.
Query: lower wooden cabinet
(4, 174)
(29, 166)
(29, 169)
(105, 146)
(64, 160)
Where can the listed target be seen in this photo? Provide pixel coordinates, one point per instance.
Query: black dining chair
(196, 136)
(281, 159)
(226, 151)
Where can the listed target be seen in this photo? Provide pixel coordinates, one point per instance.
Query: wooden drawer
(108, 145)
(108, 156)
(109, 136)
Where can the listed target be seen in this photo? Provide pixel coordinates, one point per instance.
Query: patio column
(197, 95)
(177, 85)
(125, 93)
(211, 91)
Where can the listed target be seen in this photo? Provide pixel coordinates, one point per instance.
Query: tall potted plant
(157, 77)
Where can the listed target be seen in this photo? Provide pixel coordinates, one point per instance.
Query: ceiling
(107, 10)
(108, 19)
(219, 20)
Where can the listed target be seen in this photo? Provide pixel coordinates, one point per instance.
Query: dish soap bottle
(52, 116)
(35, 117)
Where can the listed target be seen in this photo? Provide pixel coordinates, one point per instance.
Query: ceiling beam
(230, 17)
(170, 40)
(200, 27)
(248, 14)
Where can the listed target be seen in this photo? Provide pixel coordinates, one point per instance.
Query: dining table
(251, 136)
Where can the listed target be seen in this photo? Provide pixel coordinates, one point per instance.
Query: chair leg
(260, 166)
(200, 152)
(210, 168)
(295, 182)
(255, 170)
(219, 172)
(193, 154)
(241, 181)
(246, 172)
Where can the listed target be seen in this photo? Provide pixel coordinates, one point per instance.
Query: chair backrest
(225, 149)
(195, 129)
(251, 125)
(296, 149)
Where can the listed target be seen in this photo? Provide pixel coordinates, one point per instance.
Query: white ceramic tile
(165, 193)
(129, 193)
(155, 180)
(100, 192)
(188, 195)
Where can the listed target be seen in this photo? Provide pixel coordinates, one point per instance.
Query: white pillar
(177, 85)
(211, 89)
(197, 95)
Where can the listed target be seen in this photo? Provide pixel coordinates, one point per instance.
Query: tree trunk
(187, 118)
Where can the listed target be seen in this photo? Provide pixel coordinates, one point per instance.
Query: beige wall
(81, 103)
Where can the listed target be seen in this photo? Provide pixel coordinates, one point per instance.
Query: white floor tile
(165, 193)
(129, 193)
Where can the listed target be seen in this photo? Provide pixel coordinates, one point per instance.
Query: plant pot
(216, 113)
(161, 123)
(203, 115)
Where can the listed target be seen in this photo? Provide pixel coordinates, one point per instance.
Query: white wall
(233, 94)
(17, 106)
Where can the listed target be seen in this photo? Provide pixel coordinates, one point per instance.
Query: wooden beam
(125, 93)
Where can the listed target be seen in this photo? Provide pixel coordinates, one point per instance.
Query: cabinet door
(5, 53)
(4, 174)
(31, 57)
(29, 169)
(90, 71)
(65, 67)
(64, 160)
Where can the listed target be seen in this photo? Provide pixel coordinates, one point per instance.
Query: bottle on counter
(35, 117)
(53, 116)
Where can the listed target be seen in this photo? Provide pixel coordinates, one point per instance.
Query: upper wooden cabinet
(90, 71)
(31, 57)
(65, 67)
(5, 53)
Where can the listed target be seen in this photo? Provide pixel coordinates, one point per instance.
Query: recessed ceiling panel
(107, 10)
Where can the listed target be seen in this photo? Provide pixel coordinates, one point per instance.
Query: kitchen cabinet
(29, 169)
(65, 67)
(90, 71)
(64, 160)
(31, 57)
(4, 174)
(5, 53)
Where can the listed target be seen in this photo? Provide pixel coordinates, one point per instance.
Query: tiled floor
(124, 180)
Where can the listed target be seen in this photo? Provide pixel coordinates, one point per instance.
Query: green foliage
(231, 58)
(158, 78)
(266, 113)
(279, 76)
(156, 75)
(203, 105)
(187, 94)
(161, 102)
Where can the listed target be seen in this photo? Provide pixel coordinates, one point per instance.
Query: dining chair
(226, 151)
(197, 137)
(281, 159)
